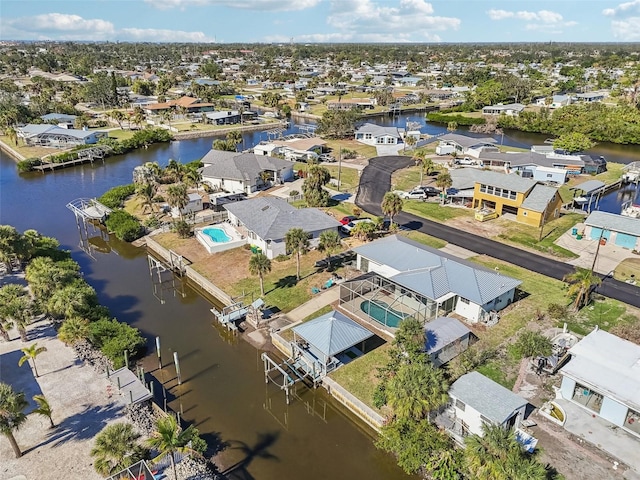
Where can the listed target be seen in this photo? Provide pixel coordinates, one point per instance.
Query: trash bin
(578, 237)
(574, 231)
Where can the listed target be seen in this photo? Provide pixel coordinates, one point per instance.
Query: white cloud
(57, 26)
(161, 35)
(273, 5)
(626, 30)
(544, 21)
(628, 9)
(369, 21)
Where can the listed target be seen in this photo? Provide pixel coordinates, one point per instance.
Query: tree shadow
(286, 282)
(21, 379)
(81, 426)
(239, 471)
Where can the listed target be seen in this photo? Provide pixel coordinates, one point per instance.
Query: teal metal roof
(332, 333)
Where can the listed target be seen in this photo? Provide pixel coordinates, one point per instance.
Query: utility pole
(595, 257)
(339, 166)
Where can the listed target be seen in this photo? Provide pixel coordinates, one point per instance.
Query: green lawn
(528, 236)
(121, 134)
(605, 314)
(349, 177)
(336, 145)
(435, 211)
(425, 239)
(627, 269)
(612, 175)
(360, 376)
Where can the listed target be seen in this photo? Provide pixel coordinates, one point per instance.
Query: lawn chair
(329, 284)
(315, 290)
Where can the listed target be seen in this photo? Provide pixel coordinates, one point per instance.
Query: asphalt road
(375, 181)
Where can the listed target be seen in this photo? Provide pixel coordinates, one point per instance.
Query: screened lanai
(373, 297)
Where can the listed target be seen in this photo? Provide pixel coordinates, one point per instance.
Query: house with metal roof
(402, 278)
(224, 117)
(327, 342)
(477, 401)
(46, 135)
(265, 222)
(603, 377)
(617, 229)
(445, 338)
(465, 145)
(236, 172)
(511, 109)
(372, 134)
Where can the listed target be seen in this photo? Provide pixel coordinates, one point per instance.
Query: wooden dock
(128, 386)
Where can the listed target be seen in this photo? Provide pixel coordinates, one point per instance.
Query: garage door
(625, 240)
(597, 233)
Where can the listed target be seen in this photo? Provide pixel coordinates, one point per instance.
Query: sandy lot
(81, 408)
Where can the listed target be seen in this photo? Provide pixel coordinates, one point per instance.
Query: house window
(632, 421)
(460, 405)
(464, 300)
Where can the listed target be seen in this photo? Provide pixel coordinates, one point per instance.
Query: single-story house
(46, 135)
(224, 117)
(403, 278)
(465, 145)
(553, 175)
(478, 400)
(556, 101)
(603, 377)
(267, 221)
(590, 97)
(445, 339)
(237, 172)
(58, 118)
(194, 205)
(327, 342)
(618, 229)
(292, 148)
(352, 103)
(188, 104)
(372, 134)
(511, 109)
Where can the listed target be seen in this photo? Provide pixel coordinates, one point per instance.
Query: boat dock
(229, 316)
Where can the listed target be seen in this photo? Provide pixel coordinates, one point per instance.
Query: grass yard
(435, 211)
(628, 269)
(349, 177)
(425, 239)
(121, 134)
(366, 151)
(527, 236)
(31, 152)
(360, 376)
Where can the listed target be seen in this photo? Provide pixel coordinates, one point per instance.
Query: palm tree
(177, 196)
(363, 230)
(72, 300)
(30, 353)
(297, 241)
(497, 455)
(581, 284)
(416, 389)
(73, 330)
(116, 447)
(410, 140)
(169, 439)
(44, 408)
(118, 116)
(259, 264)
(175, 169)
(16, 307)
(146, 192)
(193, 177)
(329, 242)
(443, 182)
(235, 137)
(45, 276)
(12, 134)
(12, 417)
(391, 205)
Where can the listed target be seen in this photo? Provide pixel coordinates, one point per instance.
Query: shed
(623, 231)
(445, 339)
(478, 400)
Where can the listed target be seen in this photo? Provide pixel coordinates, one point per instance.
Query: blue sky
(303, 21)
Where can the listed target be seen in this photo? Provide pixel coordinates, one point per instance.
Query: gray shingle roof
(590, 186)
(466, 141)
(433, 273)
(464, 178)
(32, 130)
(378, 130)
(487, 397)
(613, 222)
(239, 166)
(539, 198)
(332, 333)
(271, 218)
(443, 331)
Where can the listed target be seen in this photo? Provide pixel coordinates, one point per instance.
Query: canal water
(223, 391)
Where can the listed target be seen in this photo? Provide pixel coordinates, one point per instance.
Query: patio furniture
(315, 290)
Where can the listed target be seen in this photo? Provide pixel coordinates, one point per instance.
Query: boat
(630, 210)
(630, 177)
(580, 200)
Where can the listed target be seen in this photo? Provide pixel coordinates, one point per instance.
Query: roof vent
(266, 207)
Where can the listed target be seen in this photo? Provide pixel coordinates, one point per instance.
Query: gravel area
(81, 408)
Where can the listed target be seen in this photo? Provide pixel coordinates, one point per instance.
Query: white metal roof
(609, 364)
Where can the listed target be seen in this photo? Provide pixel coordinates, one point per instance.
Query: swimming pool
(218, 235)
(381, 313)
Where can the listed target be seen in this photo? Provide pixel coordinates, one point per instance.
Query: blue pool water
(216, 234)
(381, 313)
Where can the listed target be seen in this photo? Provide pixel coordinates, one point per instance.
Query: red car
(347, 219)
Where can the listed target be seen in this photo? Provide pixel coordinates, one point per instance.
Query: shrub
(182, 228)
(28, 164)
(557, 311)
(293, 193)
(115, 197)
(158, 199)
(125, 226)
(532, 344)
(348, 154)
(152, 222)
(282, 258)
(113, 338)
(101, 123)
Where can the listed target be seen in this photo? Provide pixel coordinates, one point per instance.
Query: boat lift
(290, 377)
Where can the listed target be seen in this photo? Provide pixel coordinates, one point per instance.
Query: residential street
(376, 181)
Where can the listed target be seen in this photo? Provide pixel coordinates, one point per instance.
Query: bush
(532, 344)
(557, 311)
(115, 197)
(101, 123)
(293, 193)
(125, 226)
(282, 258)
(182, 228)
(28, 164)
(113, 338)
(459, 119)
(152, 222)
(348, 154)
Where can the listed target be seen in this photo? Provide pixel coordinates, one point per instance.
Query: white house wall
(613, 411)
(500, 302)
(232, 186)
(471, 418)
(470, 311)
(382, 270)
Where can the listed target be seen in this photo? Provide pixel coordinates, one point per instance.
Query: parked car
(349, 226)
(325, 157)
(429, 191)
(452, 191)
(415, 194)
(465, 161)
(348, 219)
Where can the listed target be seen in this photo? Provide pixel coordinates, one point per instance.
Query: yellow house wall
(479, 197)
(535, 219)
